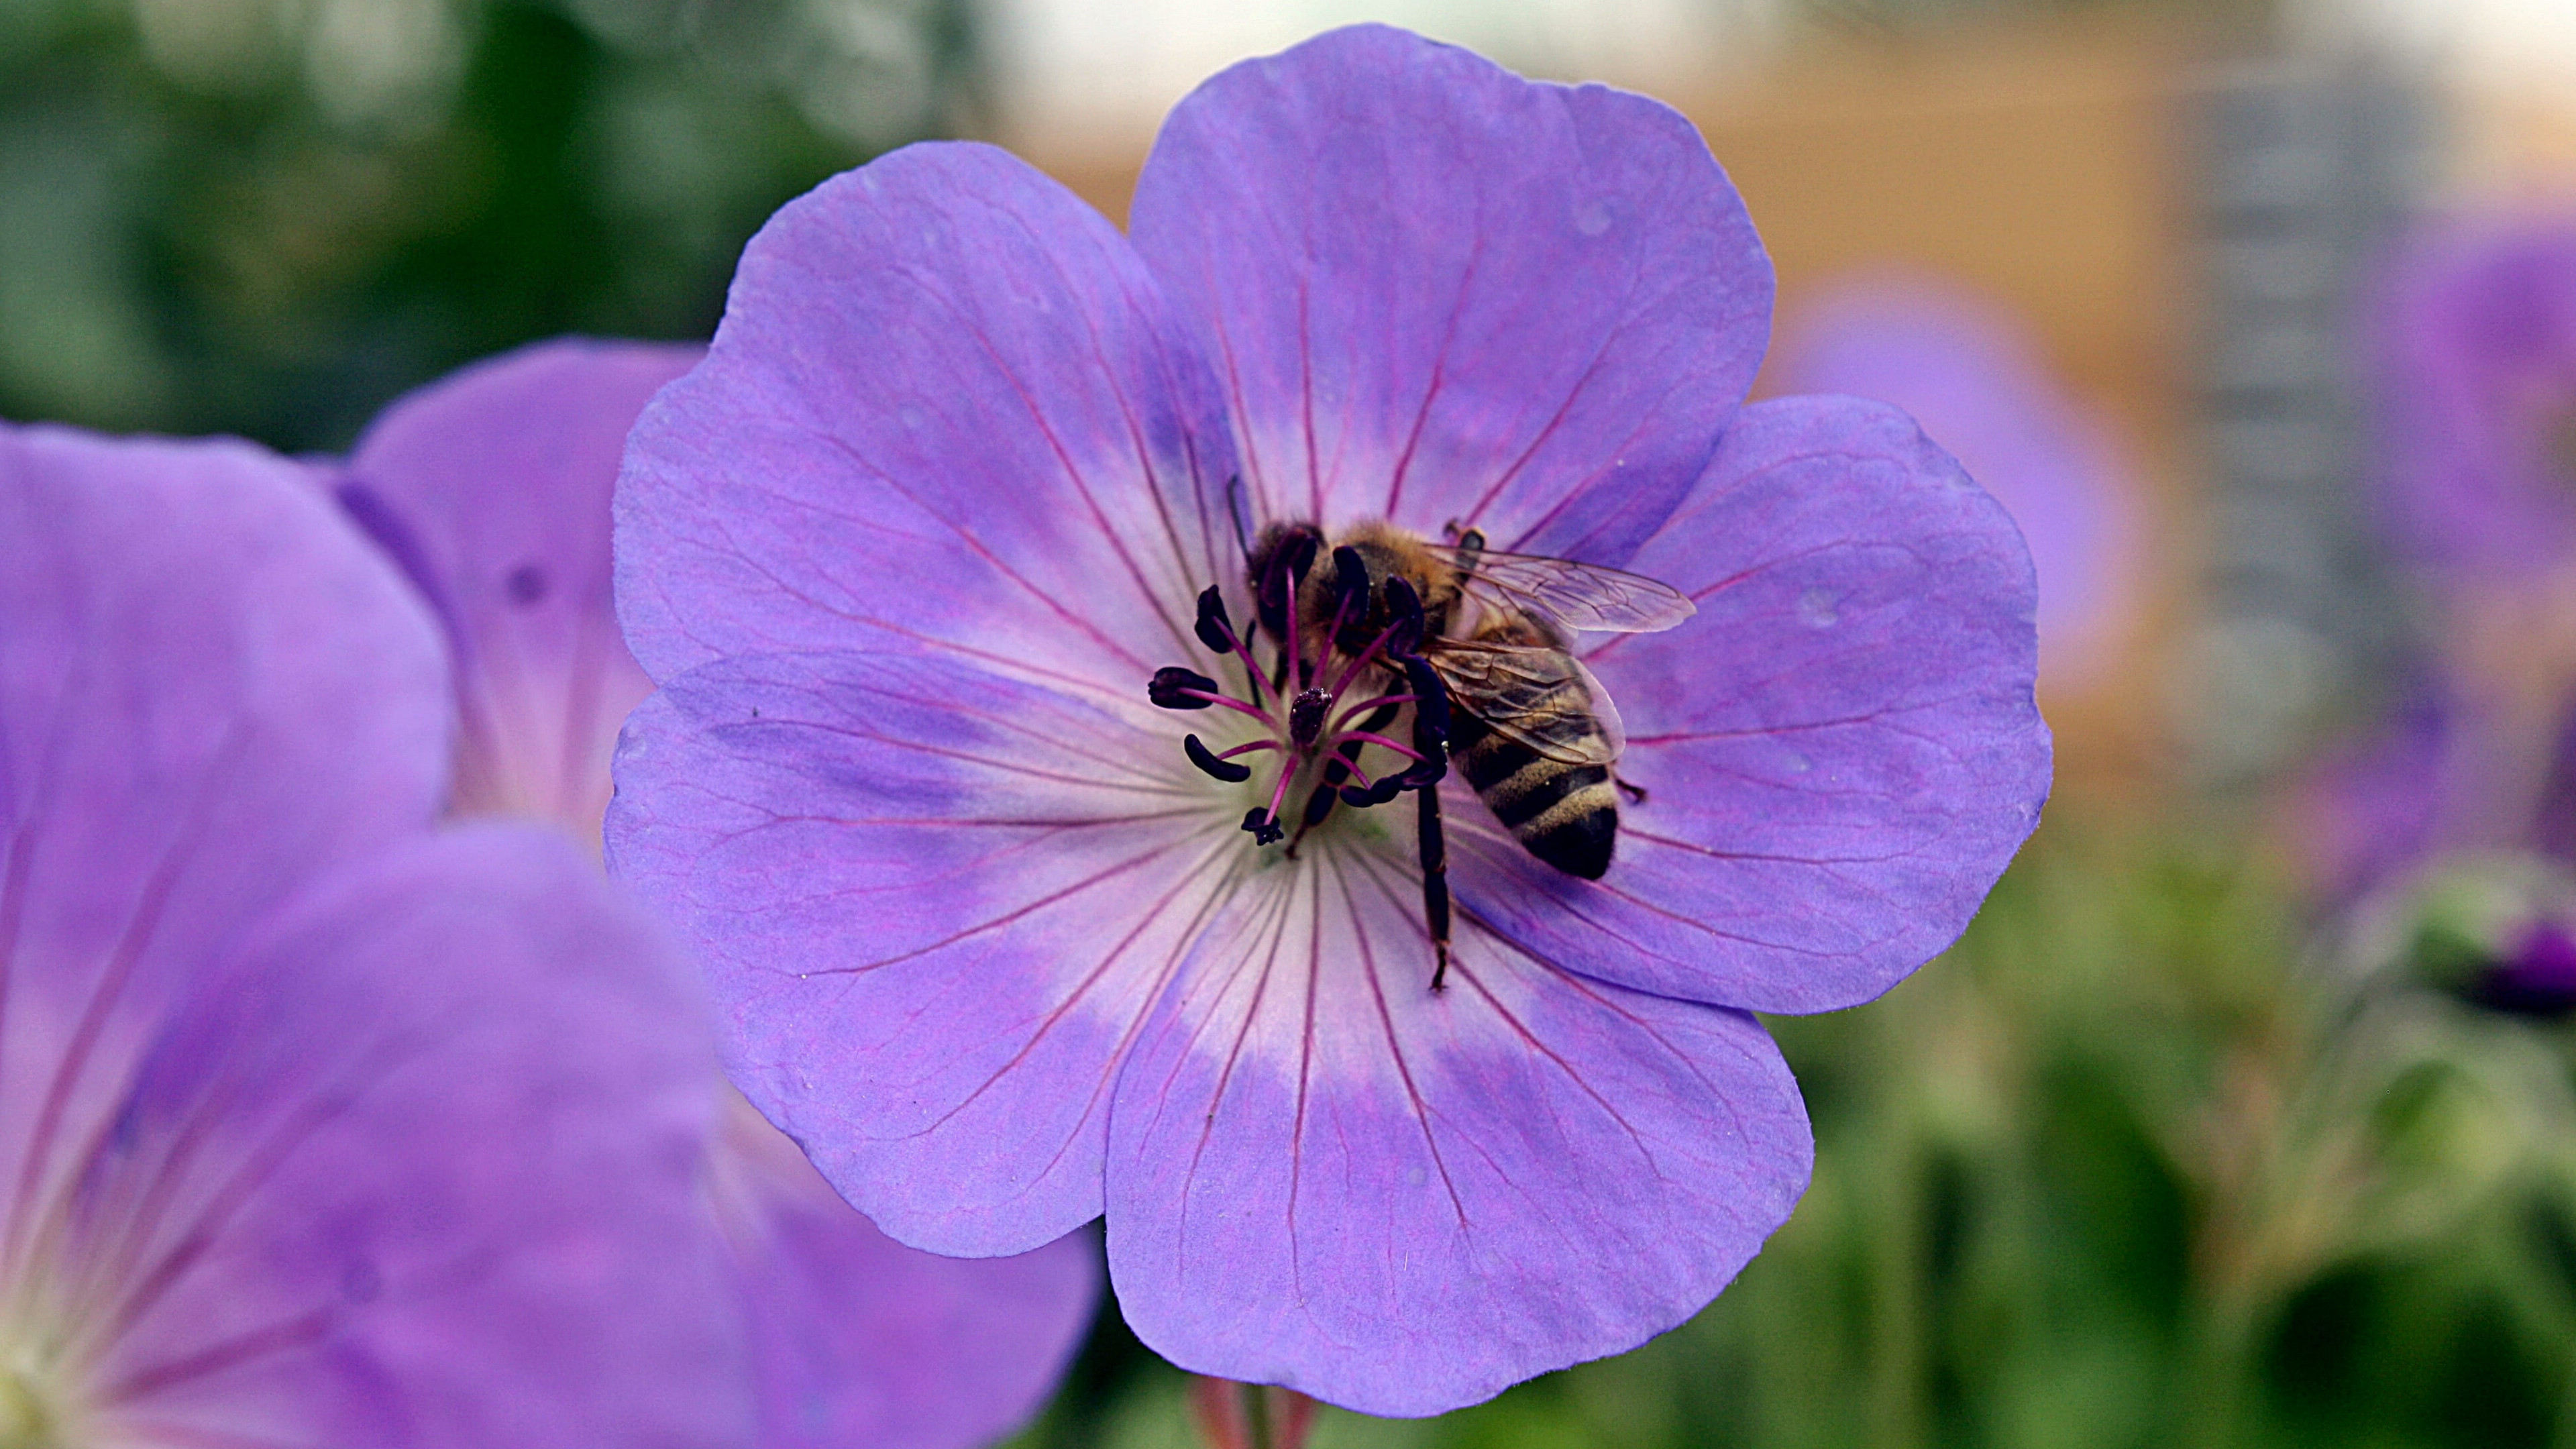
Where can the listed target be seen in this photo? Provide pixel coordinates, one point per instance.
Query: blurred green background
(268, 217)
(2137, 1163)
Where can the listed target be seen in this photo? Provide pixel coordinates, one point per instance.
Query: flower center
(1335, 688)
(39, 1406)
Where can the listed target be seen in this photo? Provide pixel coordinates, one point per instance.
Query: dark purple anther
(1295, 555)
(1214, 629)
(1350, 576)
(1264, 827)
(1173, 687)
(1404, 614)
(1209, 764)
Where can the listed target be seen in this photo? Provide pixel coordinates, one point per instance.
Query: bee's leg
(1636, 793)
(1435, 882)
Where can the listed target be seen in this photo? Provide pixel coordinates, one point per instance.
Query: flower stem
(1250, 1416)
(1256, 1416)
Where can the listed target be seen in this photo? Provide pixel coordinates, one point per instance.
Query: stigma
(1323, 702)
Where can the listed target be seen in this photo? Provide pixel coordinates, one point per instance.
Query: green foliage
(270, 216)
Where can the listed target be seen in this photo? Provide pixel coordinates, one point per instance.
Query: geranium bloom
(956, 490)
(317, 1128)
(492, 488)
(1973, 378)
(2476, 394)
(2459, 818)
(2476, 413)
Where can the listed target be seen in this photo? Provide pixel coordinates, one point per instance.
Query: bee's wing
(1515, 689)
(1579, 596)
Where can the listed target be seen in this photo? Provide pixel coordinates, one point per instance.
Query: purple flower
(2477, 415)
(1970, 374)
(2477, 399)
(492, 488)
(316, 1127)
(954, 492)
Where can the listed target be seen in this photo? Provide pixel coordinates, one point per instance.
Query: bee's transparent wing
(1579, 596)
(1525, 693)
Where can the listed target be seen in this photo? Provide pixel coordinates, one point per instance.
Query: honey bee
(1527, 724)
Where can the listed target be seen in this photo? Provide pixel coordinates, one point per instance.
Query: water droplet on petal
(1592, 218)
(1816, 609)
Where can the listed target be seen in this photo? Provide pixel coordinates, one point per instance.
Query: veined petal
(1323, 1174)
(1841, 750)
(1434, 291)
(210, 687)
(861, 1340)
(421, 1168)
(491, 489)
(936, 903)
(948, 406)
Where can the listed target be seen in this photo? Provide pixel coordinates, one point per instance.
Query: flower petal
(861, 1340)
(934, 903)
(948, 405)
(491, 489)
(209, 688)
(1436, 291)
(421, 1168)
(1971, 375)
(1323, 1174)
(1840, 750)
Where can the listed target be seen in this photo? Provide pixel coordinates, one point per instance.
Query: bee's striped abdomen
(1566, 815)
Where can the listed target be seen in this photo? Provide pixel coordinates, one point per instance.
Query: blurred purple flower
(2476, 345)
(1972, 376)
(316, 1127)
(2477, 399)
(2468, 791)
(904, 551)
(492, 489)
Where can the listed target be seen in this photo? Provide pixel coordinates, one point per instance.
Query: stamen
(1212, 765)
(1174, 687)
(1377, 794)
(1404, 608)
(1318, 805)
(1269, 592)
(1350, 574)
(1382, 742)
(1216, 631)
(1264, 828)
(1296, 645)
